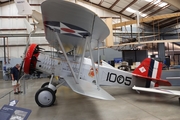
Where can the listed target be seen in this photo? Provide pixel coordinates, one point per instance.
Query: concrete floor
(129, 105)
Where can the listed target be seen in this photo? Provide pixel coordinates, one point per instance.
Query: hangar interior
(138, 29)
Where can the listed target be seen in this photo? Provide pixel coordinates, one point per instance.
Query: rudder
(149, 68)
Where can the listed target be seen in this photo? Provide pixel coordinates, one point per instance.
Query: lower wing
(158, 90)
(88, 89)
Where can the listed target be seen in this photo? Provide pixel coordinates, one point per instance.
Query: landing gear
(45, 85)
(45, 97)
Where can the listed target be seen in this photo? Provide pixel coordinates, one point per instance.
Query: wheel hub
(45, 97)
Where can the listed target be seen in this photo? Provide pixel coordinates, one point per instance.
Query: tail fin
(149, 68)
(23, 7)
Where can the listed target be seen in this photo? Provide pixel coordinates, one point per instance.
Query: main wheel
(45, 97)
(45, 84)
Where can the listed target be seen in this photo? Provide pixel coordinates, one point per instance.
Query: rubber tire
(47, 90)
(45, 84)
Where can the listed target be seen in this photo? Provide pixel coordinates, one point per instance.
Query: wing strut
(93, 65)
(98, 65)
(82, 58)
(60, 43)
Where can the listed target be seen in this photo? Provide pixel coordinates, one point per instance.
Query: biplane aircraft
(77, 30)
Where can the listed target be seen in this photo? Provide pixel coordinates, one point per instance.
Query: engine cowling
(30, 59)
(40, 61)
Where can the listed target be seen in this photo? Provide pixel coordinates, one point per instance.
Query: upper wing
(158, 90)
(73, 23)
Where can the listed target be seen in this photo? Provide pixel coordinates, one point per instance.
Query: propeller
(22, 63)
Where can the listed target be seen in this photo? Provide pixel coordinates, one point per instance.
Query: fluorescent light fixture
(157, 1)
(143, 15)
(134, 11)
(162, 4)
(149, 0)
(131, 10)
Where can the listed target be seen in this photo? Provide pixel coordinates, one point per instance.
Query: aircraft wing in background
(25, 9)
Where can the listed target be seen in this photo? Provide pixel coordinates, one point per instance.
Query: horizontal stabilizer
(157, 90)
(159, 82)
(88, 89)
(23, 7)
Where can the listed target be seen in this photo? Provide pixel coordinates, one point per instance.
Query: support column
(109, 39)
(4, 44)
(161, 51)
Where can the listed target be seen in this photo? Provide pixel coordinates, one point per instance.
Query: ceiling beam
(22, 35)
(144, 7)
(157, 17)
(14, 29)
(173, 3)
(152, 7)
(100, 2)
(114, 4)
(158, 10)
(162, 21)
(170, 23)
(105, 9)
(14, 17)
(6, 3)
(128, 5)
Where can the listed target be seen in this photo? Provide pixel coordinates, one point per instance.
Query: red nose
(30, 59)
